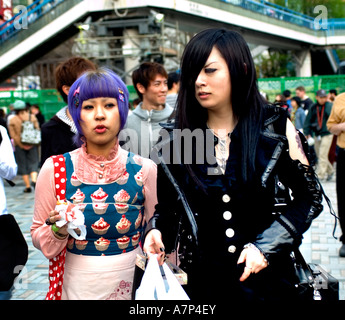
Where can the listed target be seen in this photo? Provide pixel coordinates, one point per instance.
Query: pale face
(213, 86)
(156, 92)
(100, 122)
(300, 94)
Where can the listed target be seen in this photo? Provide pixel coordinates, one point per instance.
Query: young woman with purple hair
(115, 190)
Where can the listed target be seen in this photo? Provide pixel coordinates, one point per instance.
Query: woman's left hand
(254, 261)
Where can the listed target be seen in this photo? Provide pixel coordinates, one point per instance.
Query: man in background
(173, 88)
(315, 125)
(306, 102)
(150, 81)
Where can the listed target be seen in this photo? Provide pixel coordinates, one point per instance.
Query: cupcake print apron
(102, 265)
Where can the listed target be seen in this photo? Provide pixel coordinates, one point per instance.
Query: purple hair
(101, 83)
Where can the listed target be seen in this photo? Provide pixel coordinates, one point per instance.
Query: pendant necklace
(222, 149)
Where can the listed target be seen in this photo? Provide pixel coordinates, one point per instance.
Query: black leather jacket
(272, 211)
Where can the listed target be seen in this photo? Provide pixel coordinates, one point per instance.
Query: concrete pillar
(257, 51)
(131, 53)
(303, 65)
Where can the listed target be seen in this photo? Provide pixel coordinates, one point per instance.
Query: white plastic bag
(159, 283)
(74, 218)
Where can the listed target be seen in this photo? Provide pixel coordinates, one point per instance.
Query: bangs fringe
(99, 85)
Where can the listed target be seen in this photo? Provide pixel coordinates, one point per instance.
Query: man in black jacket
(59, 131)
(315, 125)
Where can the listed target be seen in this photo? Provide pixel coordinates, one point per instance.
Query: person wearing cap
(315, 126)
(26, 155)
(336, 125)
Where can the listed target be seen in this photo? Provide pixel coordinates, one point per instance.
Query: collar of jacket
(153, 115)
(272, 140)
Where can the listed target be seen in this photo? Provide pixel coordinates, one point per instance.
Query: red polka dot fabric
(56, 270)
(57, 264)
(60, 176)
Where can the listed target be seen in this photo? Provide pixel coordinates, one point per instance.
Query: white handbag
(29, 134)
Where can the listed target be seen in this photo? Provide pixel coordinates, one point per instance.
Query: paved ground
(318, 246)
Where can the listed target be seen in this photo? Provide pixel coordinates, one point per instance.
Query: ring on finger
(48, 222)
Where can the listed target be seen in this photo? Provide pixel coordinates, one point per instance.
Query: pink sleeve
(45, 201)
(150, 187)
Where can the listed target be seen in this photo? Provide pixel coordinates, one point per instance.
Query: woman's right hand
(55, 216)
(153, 245)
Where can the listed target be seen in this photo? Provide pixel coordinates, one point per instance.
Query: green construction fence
(50, 100)
(274, 86)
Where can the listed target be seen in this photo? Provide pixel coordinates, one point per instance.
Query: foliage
(335, 8)
(275, 64)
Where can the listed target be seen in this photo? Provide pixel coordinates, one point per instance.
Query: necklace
(222, 149)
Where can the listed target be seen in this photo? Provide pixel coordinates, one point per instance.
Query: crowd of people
(311, 118)
(95, 159)
(321, 123)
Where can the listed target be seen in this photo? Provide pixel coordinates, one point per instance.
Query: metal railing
(41, 7)
(284, 14)
(26, 17)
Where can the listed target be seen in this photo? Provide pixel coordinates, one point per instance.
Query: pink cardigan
(87, 168)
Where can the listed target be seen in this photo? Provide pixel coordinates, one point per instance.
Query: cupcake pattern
(100, 227)
(113, 212)
(123, 225)
(75, 181)
(139, 178)
(78, 197)
(99, 196)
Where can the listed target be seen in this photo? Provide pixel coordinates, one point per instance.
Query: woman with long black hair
(235, 215)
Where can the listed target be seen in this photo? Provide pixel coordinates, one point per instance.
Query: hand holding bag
(29, 134)
(159, 283)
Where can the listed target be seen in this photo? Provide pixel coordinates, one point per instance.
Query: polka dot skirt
(57, 264)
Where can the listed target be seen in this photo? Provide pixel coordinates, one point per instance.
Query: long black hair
(247, 102)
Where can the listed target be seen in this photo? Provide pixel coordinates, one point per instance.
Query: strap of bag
(300, 260)
(306, 150)
(181, 195)
(183, 198)
(57, 264)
